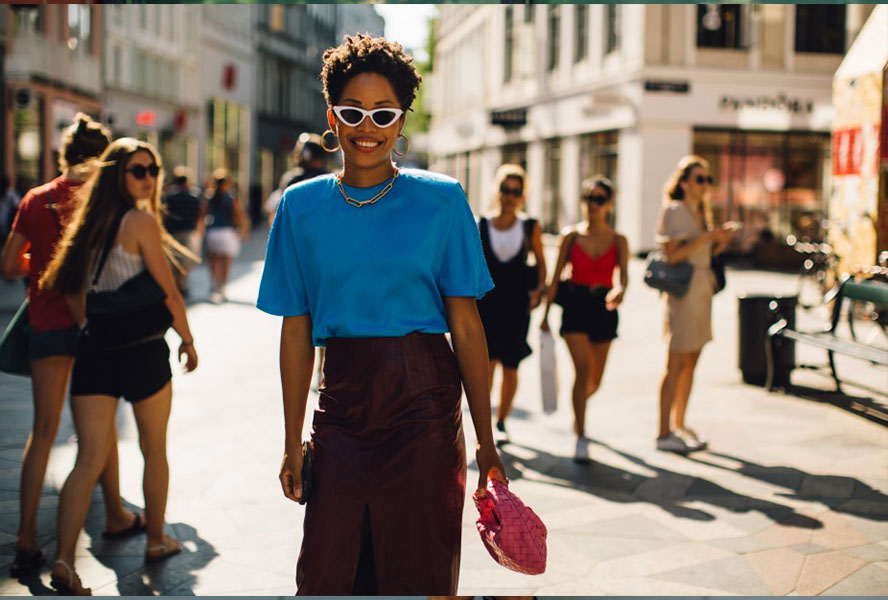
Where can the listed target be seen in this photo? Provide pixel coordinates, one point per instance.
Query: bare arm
(14, 262)
(615, 296)
(676, 251)
(536, 245)
(147, 234)
(240, 218)
(470, 347)
(297, 366)
(566, 242)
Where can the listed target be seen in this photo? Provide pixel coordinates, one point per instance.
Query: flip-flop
(137, 526)
(26, 563)
(165, 551)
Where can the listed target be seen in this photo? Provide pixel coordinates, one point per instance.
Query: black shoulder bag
(132, 314)
(531, 273)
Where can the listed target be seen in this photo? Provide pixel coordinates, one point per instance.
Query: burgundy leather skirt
(389, 467)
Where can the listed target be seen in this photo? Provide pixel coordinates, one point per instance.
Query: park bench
(851, 290)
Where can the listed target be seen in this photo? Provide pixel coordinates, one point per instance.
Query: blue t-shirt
(381, 270)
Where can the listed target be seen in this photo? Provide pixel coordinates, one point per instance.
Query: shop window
(27, 19)
(581, 32)
(529, 13)
(720, 26)
(612, 15)
(554, 23)
(820, 28)
(772, 182)
(276, 18)
(515, 154)
(509, 46)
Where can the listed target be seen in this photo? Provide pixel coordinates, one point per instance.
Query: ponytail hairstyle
(82, 141)
(99, 202)
(674, 191)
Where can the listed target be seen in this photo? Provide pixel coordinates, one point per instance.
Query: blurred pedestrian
(311, 161)
(377, 264)
(9, 203)
(507, 237)
(227, 225)
(119, 202)
(181, 211)
(589, 297)
(38, 226)
(685, 233)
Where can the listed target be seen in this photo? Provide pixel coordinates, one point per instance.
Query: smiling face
(366, 146)
(140, 189)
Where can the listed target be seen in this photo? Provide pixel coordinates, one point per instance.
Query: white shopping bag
(547, 372)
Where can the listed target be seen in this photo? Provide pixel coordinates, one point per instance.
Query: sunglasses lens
(139, 172)
(154, 171)
(351, 116)
(384, 118)
(596, 198)
(508, 191)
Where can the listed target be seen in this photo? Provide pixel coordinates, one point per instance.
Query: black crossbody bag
(132, 314)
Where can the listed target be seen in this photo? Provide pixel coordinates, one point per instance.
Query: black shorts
(585, 311)
(57, 342)
(134, 373)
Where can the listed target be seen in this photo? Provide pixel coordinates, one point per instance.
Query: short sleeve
(20, 223)
(282, 289)
(673, 224)
(463, 270)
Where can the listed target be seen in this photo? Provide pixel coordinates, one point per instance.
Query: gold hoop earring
(324, 141)
(407, 145)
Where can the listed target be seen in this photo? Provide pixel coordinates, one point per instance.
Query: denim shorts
(56, 342)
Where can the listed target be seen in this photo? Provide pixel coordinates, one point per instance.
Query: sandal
(70, 585)
(160, 552)
(137, 526)
(26, 563)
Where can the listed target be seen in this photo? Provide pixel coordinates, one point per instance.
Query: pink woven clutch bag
(512, 533)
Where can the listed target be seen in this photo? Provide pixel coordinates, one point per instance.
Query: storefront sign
(676, 87)
(780, 102)
(515, 117)
(855, 150)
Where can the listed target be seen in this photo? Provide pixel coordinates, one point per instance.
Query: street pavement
(790, 499)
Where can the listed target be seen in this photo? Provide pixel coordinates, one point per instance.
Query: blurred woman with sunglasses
(39, 223)
(377, 263)
(589, 298)
(227, 225)
(507, 238)
(120, 202)
(685, 233)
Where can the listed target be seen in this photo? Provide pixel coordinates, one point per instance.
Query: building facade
(290, 41)
(570, 91)
(52, 70)
(358, 18)
(151, 78)
(228, 92)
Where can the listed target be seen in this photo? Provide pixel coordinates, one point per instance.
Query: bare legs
(675, 390)
(507, 390)
(589, 360)
(94, 421)
(220, 268)
(50, 380)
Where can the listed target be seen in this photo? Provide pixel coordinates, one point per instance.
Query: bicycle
(867, 323)
(819, 274)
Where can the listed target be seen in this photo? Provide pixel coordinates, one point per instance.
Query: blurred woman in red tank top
(589, 298)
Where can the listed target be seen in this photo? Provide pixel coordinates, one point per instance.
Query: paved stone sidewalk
(790, 499)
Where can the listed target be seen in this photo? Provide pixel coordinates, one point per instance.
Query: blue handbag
(673, 279)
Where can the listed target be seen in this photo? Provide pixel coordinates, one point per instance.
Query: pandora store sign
(781, 102)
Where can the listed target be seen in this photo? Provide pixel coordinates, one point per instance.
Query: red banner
(847, 151)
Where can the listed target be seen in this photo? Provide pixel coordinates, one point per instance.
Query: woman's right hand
(291, 473)
(544, 325)
(190, 356)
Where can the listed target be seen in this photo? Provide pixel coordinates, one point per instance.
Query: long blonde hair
(99, 202)
(673, 190)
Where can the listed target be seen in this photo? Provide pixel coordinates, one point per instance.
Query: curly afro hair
(364, 54)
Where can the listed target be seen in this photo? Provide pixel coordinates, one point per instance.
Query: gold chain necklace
(360, 203)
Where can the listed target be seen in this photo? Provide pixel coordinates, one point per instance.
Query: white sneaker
(691, 439)
(217, 298)
(672, 443)
(581, 454)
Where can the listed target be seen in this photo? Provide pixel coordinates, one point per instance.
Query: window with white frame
(581, 32)
(554, 37)
(612, 18)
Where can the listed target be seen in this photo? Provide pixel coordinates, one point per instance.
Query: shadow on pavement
(869, 408)
(669, 490)
(842, 494)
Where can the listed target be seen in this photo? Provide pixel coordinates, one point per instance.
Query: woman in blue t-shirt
(376, 263)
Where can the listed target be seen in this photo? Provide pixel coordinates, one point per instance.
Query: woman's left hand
(190, 356)
(536, 297)
(489, 465)
(614, 298)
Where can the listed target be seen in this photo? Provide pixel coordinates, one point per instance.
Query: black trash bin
(754, 319)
